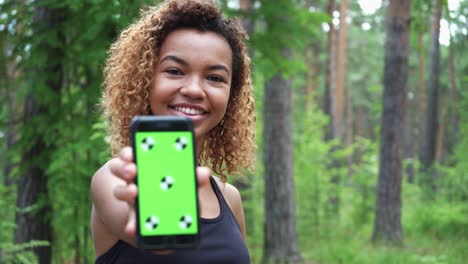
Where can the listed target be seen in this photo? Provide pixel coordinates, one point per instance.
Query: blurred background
(362, 128)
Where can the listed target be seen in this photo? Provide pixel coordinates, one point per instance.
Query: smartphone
(167, 206)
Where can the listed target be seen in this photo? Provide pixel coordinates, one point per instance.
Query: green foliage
(363, 184)
(457, 178)
(454, 223)
(421, 14)
(22, 253)
(66, 114)
(312, 180)
(11, 252)
(284, 28)
(434, 232)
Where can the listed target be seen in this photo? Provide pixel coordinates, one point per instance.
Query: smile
(189, 110)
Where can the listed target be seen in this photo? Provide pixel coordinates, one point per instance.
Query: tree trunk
(440, 145)
(429, 146)
(341, 69)
(330, 75)
(453, 119)
(387, 225)
(421, 94)
(349, 133)
(280, 225)
(34, 210)
(32, 193)
(331, 102)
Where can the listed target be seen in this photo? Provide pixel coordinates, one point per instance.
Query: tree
(341, 69)
(246, 6)
(387, 225)
(428, 148)
(330, 74)
(280, 214)
(34, 215)
(331, 102)
(280, 241)
(419, 25)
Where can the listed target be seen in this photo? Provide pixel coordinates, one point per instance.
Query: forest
(362, 128)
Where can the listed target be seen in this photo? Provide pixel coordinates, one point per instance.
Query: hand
(124, 168)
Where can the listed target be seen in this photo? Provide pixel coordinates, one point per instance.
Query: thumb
(203, 176)
(130, 228)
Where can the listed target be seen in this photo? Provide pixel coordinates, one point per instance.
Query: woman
(180, 58)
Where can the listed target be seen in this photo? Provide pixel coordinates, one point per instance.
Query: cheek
(223, 102)
(153, 100)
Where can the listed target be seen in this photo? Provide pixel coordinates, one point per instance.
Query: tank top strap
(219, 195)
(224, 206)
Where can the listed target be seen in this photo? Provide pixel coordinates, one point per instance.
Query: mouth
(189, 110)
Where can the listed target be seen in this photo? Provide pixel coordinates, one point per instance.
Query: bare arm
(108, 209)
(114, 194)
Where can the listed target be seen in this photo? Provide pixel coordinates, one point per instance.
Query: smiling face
(192, 78)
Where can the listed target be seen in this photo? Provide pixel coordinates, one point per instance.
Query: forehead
(197, 45)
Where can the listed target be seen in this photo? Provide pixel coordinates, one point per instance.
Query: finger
(124, 170)
(126, 154)
(203, 176)
(130, 228)
(126, 193)
(128, 169)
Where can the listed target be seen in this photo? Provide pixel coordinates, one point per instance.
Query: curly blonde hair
(230, 146)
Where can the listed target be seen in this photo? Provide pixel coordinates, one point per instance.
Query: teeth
(189, 111)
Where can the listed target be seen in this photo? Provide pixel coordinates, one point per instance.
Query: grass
(349, 247)
(433, 232)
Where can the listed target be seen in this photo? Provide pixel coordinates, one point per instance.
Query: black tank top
(220, 242)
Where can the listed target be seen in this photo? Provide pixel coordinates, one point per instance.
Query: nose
(193, 88)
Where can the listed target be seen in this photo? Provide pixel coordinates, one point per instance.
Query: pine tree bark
(341, 68)
(429, 145)
(280, 245)
(387, 225)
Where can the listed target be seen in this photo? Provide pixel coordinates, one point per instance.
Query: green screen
(167, 201)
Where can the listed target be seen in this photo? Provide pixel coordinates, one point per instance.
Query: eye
(173, 71)
(216, 78)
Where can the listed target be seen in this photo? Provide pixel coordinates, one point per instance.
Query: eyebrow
(184, 63)
(175, 59)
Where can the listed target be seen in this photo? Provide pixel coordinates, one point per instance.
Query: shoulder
(102, 172)
(233, 198)
(230, 193)
(103, 178)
